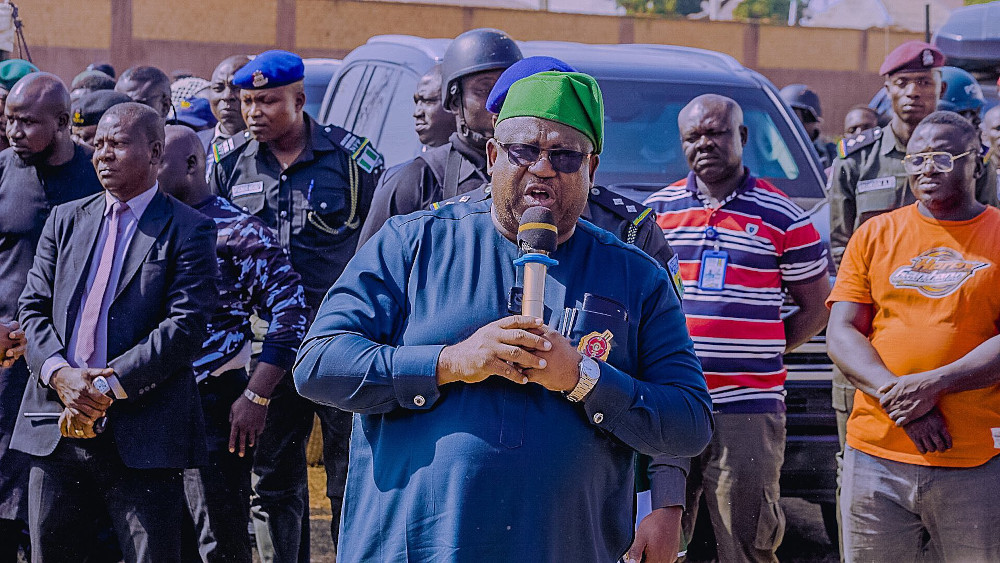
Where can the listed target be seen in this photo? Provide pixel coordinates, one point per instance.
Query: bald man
(256, 278)
(116, 308)
(42, 169)
(732, 299)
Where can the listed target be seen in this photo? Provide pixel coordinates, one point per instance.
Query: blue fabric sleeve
(341, 362)
(668, 390)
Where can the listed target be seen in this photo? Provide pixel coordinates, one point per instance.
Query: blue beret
(270, 69)
(196, 113)
(912, 55)
(521, 69)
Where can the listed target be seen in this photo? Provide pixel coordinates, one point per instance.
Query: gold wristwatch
(590, 372)
(255, 398)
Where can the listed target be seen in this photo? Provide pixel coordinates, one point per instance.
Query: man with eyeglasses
(482, 434)
(868, 178)
(741, 243)
(915, 325)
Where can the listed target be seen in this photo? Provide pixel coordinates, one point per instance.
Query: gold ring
(78, 432)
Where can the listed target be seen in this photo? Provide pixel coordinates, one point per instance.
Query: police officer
(225, 101)
(805, 103)
(312, 184)
(868, 178)
(87, 111)
(962, 94)
(472, 63)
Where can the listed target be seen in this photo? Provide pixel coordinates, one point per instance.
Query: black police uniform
(316, 207)
(438, 174)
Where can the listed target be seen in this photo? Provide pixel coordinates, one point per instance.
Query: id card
(713, 270)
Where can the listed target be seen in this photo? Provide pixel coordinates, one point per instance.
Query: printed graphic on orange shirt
(936, 273)
(596, 345)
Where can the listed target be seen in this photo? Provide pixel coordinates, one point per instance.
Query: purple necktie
(95, 298)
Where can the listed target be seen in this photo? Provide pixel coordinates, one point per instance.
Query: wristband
(255, 398)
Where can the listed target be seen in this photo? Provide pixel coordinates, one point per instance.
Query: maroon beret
(912, 55)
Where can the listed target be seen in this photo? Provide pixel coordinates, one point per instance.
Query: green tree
(661, 7)
(769, 10)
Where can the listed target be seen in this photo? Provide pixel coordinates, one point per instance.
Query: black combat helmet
(475, 51)
(800, 96)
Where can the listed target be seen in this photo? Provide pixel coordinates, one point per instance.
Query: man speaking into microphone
(482, 434)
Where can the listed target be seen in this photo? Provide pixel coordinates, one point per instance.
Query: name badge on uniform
(713, 270)
(885, 183)
(244, 189)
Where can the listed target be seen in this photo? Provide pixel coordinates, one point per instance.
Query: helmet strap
(473, 137)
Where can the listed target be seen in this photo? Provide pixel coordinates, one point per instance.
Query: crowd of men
(192, 271)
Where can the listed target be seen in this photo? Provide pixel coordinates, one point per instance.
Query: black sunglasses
(562, 160)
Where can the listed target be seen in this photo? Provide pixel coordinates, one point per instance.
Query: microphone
(537, 236)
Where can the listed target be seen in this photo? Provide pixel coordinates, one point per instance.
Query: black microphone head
(537, 231)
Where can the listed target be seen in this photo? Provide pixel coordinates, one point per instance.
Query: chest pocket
(250, 203)
(599, 330)
(875, 202)
(329, 210)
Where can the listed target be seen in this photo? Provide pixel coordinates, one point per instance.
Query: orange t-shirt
(935, 288)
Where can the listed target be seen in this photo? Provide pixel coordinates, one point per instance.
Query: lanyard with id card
(713, 270)
(712, 276)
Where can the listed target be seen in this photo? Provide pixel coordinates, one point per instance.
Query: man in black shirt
(42, 168)
(472, 63)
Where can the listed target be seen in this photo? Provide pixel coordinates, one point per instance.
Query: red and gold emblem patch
(596, 345)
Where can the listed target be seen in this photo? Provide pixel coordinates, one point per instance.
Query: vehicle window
(398, 141)
(373, 105)
(642, 141)
(348, 89)
(314, 94)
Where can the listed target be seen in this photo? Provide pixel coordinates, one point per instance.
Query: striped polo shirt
(769, 242)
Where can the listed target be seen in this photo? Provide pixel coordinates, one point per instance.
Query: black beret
(88, 109)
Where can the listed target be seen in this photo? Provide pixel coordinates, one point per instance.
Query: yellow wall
(184, 20)
(881, 43)
(530, 26)
(724, 37)
(327, 24)
(819, 49)
(66, 23)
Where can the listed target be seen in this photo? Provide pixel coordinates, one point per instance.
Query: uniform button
(322, 205)
(419, 400)
(328, 129)
(283, 214)
(595, 191)
(246, 210)
(598, 417)
(283, 177)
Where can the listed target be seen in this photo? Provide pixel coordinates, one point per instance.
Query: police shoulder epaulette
(619, 204)
(478, 194)
(360, 149)
(226, 147)
(851, 144)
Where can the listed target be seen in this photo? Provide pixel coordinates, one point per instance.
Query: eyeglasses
(940, 161)
(562, 160)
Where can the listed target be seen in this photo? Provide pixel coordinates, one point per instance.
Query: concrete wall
(65, 36)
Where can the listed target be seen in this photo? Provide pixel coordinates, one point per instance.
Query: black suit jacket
(156, 325)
